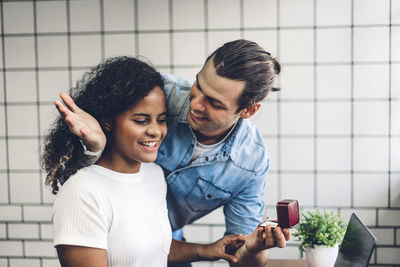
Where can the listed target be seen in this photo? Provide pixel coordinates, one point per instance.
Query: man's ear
(250, 111)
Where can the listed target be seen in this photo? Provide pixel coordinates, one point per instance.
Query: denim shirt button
(177, 173)
(209, 196)
(207, 158)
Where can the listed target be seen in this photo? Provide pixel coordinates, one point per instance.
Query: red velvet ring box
(288, 213)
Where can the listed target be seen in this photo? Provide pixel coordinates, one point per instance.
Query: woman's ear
(250, 111)
(107, 125)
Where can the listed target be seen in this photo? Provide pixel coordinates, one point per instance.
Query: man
(212, 156)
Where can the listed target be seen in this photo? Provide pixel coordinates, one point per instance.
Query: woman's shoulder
(153, 171)
(82, 180)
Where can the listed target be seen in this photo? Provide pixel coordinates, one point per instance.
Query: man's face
(214, 102)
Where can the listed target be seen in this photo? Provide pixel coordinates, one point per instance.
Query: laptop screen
(357, 245)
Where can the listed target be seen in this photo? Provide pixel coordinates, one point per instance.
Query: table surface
(287, 263)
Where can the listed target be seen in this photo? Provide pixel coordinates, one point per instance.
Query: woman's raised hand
(81, 123)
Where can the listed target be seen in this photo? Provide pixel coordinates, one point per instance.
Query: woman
(114, 212)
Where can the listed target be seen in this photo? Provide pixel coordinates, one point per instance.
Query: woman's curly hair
(108, 89)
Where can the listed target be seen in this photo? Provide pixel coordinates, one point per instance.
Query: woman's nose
(154, 129)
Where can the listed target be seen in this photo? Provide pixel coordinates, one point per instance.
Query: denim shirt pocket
(206, 196)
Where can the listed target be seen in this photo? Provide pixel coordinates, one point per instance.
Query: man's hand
(81, 124)
(254, 251)
(260, 239)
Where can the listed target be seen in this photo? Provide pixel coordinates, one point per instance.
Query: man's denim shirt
(233, 178)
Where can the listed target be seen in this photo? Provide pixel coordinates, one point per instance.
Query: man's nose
(198, 103)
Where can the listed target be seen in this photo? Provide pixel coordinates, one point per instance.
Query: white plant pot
(322, 256)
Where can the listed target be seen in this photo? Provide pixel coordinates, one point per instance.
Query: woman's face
(138, 132)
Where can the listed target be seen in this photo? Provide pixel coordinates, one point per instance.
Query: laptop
(357, 245)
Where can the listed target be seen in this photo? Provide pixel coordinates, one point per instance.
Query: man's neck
(205, 139)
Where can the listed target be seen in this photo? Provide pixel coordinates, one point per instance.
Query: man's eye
(215, 105)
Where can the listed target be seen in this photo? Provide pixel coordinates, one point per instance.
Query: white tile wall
(51, 83)
(365, 150)
(297, 82)
(333, 82)
(228, 9)
(51, 16)
(334, 190)
(40, 248)
(157, 52)
(333, 154)
(368, 49)
(327, 130)
(23, 154)
(291, 184)
(153, 14)
(85, 50)
(85, 15)
(333, 119)
(188, 14)
(3, 187)
(371, 81)
(370, 183)
(335, 13)
(21, 86)
(10, 213)
(3, 122)
(371, 118)
(10, 248)
(290, 15)
(296, 46)
(119, 15)
(18, 17)
(23, 231)
(189, 48)
(295, 155)
(25, 116)
(388, 255)
(260, 13)
(371, 12)
(21, 183)
(297, 118)
(52, 51)
(37, 213)
(333, 45)
(24, 262)
(19, 52)
(119, 45)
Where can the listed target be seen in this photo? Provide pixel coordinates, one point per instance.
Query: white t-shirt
(126, 214)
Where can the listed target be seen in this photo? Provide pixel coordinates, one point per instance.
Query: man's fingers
(279, 237)
(69, 102)
(287, 234)
(270, 240)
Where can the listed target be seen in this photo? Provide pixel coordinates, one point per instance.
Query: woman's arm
(76, 256)
(189, 252)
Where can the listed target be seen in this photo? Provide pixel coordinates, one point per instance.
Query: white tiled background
(333, 130)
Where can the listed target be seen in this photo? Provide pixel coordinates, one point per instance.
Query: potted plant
(320, 234)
